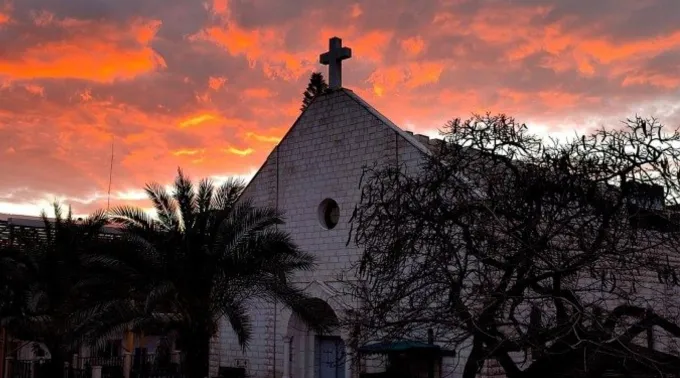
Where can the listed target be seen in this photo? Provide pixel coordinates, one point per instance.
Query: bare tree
(520, 251)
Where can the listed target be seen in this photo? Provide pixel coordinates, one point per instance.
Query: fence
(111, 367)
(156, 366)
(37, 369)
(19, 368)
(73, 372)
(141, 366)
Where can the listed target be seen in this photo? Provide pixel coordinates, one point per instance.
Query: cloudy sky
(211, 85)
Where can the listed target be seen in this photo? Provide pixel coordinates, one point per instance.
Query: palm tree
(10, 273)
(43, 273)
(206, 257)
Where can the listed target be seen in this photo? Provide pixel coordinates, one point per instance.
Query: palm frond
(206, 189)
(56, 207)
(28, 327)
(236, 312)
(109, 319)
(69, 215)
(35, 300)
(47, 225)
(238, 230)
(93, 224)
(166, 208)
(228, 194)
(186, 198)
(307, 308)
(162, 292)
(134, 221)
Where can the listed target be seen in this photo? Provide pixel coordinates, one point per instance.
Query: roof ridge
(420, 141)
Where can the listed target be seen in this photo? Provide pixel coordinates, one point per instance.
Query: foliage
(47, 298)
(317, 85)
(208, 255)
(521, 249)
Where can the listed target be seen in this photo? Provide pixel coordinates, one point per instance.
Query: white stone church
(313, 175)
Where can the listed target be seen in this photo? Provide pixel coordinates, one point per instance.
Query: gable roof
(421, 142)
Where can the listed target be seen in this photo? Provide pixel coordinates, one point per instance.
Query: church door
(331, 357)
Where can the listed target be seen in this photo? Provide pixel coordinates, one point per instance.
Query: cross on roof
(333, 58)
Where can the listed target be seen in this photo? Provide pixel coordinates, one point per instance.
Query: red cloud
(93, 50)
(215, 92)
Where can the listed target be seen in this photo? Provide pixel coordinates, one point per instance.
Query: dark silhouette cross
(333, 58)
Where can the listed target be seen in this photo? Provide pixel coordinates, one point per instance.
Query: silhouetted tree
(50, 302)
(317, 85)
(521, 251)
(208, 255)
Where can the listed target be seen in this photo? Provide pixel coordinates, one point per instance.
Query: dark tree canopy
(519, 250)
(317, 85)
(46, 296)
(209, 255)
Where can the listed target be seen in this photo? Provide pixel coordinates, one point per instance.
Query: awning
(405, 346)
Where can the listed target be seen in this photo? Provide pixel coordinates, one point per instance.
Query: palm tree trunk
(197, 354)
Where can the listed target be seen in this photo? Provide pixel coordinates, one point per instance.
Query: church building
(313, 175)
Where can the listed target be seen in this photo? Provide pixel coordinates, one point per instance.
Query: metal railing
(19, 368)
(100, 361)
(141, 366)
(39, 369)
(154, 366)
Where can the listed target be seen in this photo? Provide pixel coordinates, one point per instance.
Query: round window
(329, 213)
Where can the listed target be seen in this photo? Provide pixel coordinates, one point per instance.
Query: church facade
(313, 175)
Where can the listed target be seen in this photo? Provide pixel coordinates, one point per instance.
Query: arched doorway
(311, 355)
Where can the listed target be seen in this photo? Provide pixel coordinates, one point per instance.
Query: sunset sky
(212, 85)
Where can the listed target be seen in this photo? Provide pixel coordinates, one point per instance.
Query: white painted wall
(321, 157)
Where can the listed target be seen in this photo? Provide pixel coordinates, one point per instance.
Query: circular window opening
(329, 213)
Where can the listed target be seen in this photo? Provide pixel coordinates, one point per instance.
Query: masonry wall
(321, 157)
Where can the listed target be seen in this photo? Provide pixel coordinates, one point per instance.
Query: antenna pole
(108, 199)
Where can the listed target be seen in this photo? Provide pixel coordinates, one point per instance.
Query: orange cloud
(413, 46)
(266, 46)
(220, 6)
(237, 151)
(606, 51)
(259, 93)
(424, 73)
(356, 10)
(215, 83)
(584, 51)
(493, 26)
(189, 152)
(94, 51)
(232, 84)
(558, 99)
(263, 138)
(658, 79)
(197, 120)
(35, 89)
(366, 46)
(85, 95)
(409, 76)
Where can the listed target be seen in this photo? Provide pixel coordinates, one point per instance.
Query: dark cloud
(178, 83)
(258, 13)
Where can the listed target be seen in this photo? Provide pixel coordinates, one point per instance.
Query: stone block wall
(321, 157)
